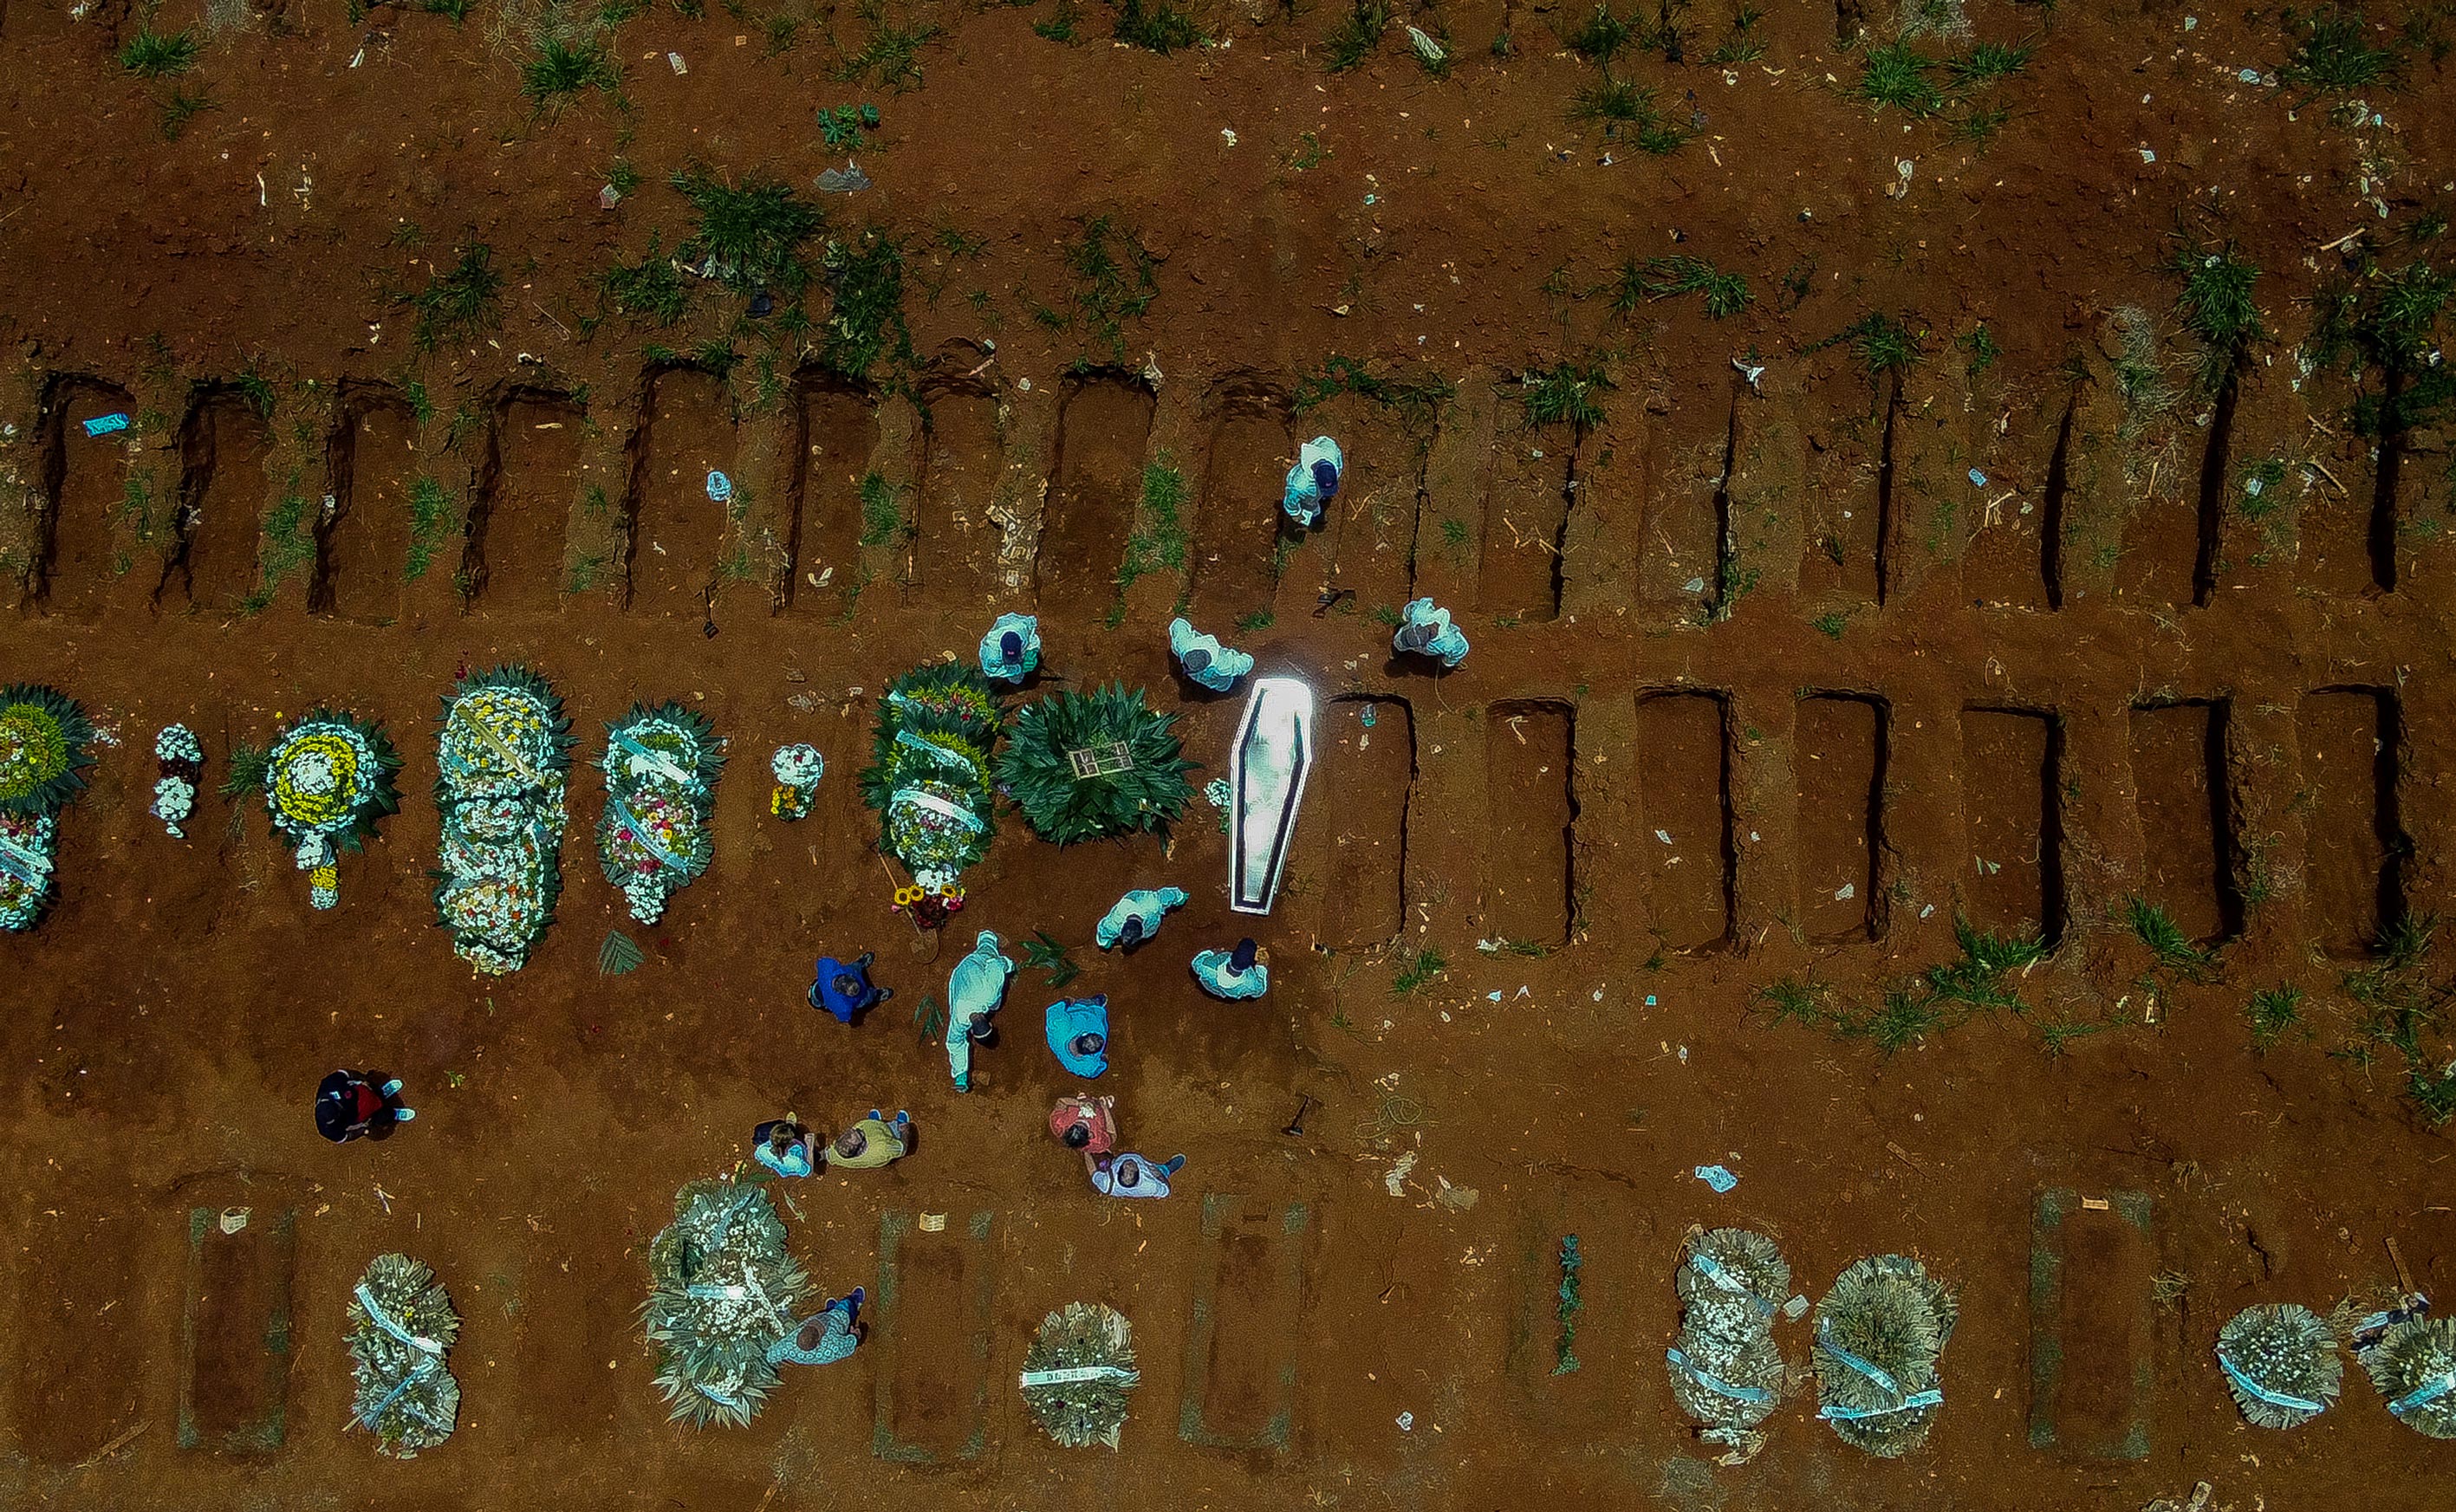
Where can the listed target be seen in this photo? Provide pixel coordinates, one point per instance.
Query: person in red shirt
(353, 1105)
(1085, 1124)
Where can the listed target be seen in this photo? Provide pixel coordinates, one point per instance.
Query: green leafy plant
(1060, 27)
(1601, 37)
(1158, 26)
(1988, 62)
(840, 126)
(2154, 928)
(1158, 541)
(1042, 953)
(1627, 111)
(1900, 76)
(868, 323)
(750, 237)
(649, 291)
(882, 516)
(430, 515)
(1115, 279)
(1565, 1313)
(151, 54)
(2272, 1013)
(2333, 53)
(1564, 394)
(1358, 33)
(893, 54)
(1092, 765)
(620, 955)
(2216, 306)
(1417, 970)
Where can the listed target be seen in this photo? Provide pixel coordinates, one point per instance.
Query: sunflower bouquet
(45, 747)
(503, 764)
(661, 766)
(930, 780)
(797, 771)
(328, 781)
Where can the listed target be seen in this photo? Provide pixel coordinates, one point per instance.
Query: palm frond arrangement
(328, 780)
(655, 836)
(504, 762)
(1088, 765)
(1078, 1373)
(929, 779)
(1726, 1371)
(1879, 1334)
(402, 1328)
(722, 1289)
(46, 746)
(2281, 1363)
(2414, 1367)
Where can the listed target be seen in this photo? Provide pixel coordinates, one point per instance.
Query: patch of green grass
(1308, 154)
(243, 772)
(1881, 343)
(1988, 62)
(1980, 344)
(562, 69)
(151, 54)
(289, 547)
(2258, 488)
(1115, 279)
(1726, 294)
(1060, 27)
(1832, 623)
(1417, 970)
(1156, 26)
(2154, 928)
(1454, 532)
(1255, 620)
(1741, 43)
(430, 515)
(460, 302)
(1356, 35)
(1907, 1011)
(2388, 320)
(1159, 543)
(882, 514)
(180, 106)
(753, 233)
(2334, 52)
(1416, 399)
(1627, 113)
(1601, 37)
(866, 323)
(1386, 616)
(2403, 1009)
(2272, 1013)
(892, 55)
(1902, 76)
(650, 290)
(2216, 306)
(1564, 394)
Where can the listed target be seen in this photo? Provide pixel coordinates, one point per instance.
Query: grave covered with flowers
(503, 765)
(46, 745)
(654, 838)
(328, 781)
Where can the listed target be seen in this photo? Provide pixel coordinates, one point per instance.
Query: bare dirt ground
(1964, 606)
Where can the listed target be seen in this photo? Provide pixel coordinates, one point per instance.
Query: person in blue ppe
(843, 988)
(1078, 1033)
(1313, 482)
(1233, 974)
(1135, 917)
(785, 1147)
(1131, 1176)
(831, 1334)
(974, 988)
(1011, 649)
(1206, 662)
(1425, 630)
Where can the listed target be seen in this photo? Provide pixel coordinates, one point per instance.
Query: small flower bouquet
(179, 765)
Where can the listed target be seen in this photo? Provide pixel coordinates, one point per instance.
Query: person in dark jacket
(354, 1104)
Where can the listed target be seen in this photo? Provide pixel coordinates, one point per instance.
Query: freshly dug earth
(1777, 674)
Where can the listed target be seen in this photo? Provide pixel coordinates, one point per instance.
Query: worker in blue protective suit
(1078, 1033)
(1425, 630)
(1233, 974)
(1206, 662)
(974, 988)
(1313, 482)
(1135, 917)
(1011, 649)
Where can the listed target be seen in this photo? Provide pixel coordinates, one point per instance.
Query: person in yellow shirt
(871, 1142)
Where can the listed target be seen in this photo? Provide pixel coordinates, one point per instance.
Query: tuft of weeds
(649, 291)
(1978, 343)
(1564, 394)
(2273, 1014)
(868, 320)
(1741, 43)
(1726, 294)
(430, 515)
(2216, 306)
(840, 126)
(1627, 113)
(151, 54)
(1159, 543)
(180, 106)
(1601, 37)
(2333, 53)
(2154, 929)
(1115, 279)
(1358, 33)
(892, 55)
(2401, 1009)
(1988, 62)
(243, 773)
(1902, 76)
(2389, 320)
(1417, 970)
(1418, 400)
(460, 302)
(1042, 953)
(882, 514)
(1907, 1011)
(1060, 27)
(1156, 26)
(749, 237)
(561, 69)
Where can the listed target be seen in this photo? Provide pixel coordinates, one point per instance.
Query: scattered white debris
(1408, 1419)
(675, 59)
(1398, 1171)
(1663, 835)
(1750, 373)
(1845, 893)
(1228, 136)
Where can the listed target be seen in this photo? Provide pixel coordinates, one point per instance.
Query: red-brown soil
(1781, 624)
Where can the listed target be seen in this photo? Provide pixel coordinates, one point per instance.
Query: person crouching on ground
(871, 1142)
(785, 1147)
(831, 1333)
(360, 1105)
(1130, 1176)
(1085, 1124)
(843, 988)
